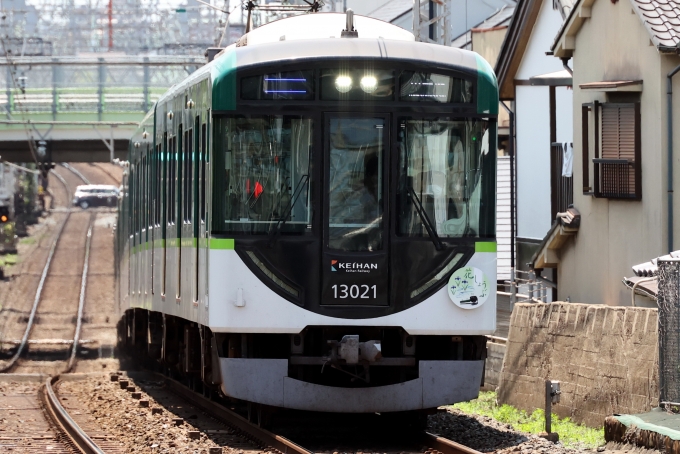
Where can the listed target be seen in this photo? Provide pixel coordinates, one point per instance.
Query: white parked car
(93, 195)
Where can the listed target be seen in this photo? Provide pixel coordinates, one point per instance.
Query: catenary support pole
(669, 94)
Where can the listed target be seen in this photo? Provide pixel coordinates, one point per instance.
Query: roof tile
(662, 20)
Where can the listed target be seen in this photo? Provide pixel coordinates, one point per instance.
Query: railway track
(266, 439)
(38, 418)
(49, 338)
(97, 172)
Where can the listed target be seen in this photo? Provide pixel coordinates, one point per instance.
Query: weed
(8, 260)
(571, 434)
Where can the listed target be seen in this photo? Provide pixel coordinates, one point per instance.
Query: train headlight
(343, 84)
(369, 84)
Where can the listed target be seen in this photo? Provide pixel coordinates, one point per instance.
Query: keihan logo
(333, 262)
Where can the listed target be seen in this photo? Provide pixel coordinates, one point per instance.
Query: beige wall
(615, 234)
(487, 43)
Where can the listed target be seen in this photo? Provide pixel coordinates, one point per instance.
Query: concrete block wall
(495, 353)
(605, 357)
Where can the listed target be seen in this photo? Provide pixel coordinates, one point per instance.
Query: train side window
(168, 176)
(183, 214)
(186, 193)
(203, 177)
(149, 187)
(178, 186)
(195, 175)
(142, 191)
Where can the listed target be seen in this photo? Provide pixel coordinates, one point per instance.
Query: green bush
(571, 434)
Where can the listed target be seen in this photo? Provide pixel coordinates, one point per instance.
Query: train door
(202, 268)
(195, 221)
(164, 210)
(144, 228)
(355, 242)
(179, 213)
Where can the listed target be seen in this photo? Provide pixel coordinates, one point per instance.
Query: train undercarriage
(325, 368)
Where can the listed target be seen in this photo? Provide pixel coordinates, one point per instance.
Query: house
(626, 146)
(537, 87)
(481, 27)
(463, 14)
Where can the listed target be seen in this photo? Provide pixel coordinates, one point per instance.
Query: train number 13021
(354, 291)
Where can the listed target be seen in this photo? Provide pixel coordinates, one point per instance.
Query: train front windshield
(339, 169)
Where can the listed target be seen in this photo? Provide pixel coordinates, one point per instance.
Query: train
(308, 221)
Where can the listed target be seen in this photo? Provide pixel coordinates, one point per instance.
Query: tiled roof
(651, 268)
(662, 19)
(499, 18)
(391, 10)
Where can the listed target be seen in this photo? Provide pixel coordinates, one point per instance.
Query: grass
(27, 240)
(571, 434)
(8, 259)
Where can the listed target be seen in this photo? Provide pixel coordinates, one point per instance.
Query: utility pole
(110, 25)
(225, 31)
(435, 18)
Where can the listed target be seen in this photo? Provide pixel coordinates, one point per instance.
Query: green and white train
(308, 221)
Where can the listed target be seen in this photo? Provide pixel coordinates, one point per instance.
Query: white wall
(503, 218)
(564, 98)
(535, 62)
(533, 127)
(533, 161)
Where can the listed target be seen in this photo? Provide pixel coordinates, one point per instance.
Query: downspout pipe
(565, 65)
(669, 96)
(511, 152)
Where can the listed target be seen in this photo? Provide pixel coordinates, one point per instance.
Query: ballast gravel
(488, 435)
(162, 424)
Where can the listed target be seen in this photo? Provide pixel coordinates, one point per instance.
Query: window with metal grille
(612, 132)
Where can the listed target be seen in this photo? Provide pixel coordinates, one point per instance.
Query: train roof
(313, 37)
(323, 25)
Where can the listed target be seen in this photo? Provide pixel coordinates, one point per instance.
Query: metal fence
(71, 85)
(527, 287)
(669, 334)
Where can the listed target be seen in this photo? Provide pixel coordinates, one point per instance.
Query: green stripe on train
(221, 243)
(485, 246)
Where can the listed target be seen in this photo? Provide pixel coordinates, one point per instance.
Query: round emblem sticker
(468, 287)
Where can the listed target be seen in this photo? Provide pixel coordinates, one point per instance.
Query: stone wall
(605, 357)
(495, 353)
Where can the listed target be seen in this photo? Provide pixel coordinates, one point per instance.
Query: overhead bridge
(80, 109)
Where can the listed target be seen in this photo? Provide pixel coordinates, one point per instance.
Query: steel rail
(61, 417)
(108, 173)
(83, 279)
(75, 172)
(81, 300)
(36, 301)
(444, 445)
(255, 433)
(282, 444)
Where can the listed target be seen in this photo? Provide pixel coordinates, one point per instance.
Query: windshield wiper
(426, 220)
(276, 230)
